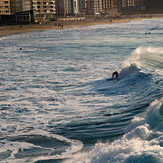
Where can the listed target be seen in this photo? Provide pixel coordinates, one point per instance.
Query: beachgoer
(115, 74)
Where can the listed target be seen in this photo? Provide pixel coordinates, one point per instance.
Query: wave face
(155, 118)
(58, 102)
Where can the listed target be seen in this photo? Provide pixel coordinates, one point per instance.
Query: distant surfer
(115, 74)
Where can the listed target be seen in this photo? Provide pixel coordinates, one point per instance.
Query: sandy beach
(15, 29)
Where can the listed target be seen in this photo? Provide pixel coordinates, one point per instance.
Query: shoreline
(17, 29)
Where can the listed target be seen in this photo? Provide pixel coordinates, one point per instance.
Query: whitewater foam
(137, 145)
(39, 144)
(141, 143)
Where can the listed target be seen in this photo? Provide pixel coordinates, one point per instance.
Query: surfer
(115, 74)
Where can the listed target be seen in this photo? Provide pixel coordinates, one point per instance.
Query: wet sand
(15, 29)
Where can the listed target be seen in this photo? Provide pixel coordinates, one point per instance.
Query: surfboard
(109, 79)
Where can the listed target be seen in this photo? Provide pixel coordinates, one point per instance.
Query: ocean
(58, 103)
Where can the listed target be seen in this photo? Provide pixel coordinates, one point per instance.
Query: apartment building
(93, 6)
(81, 7)
(107, 4)
(26, 5)
(70, 7)
(65, 7)
(5, 7)
(60, 7)
(20, 5)
(154, 6)
(44, 8)
(101, 6)
(47, 8)
(130, 3)
(127, 3)
(16, 6)
(132, 7)
(110, 5)
(76, 7)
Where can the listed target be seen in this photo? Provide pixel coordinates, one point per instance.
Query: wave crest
(143, 58)
(127, 71)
